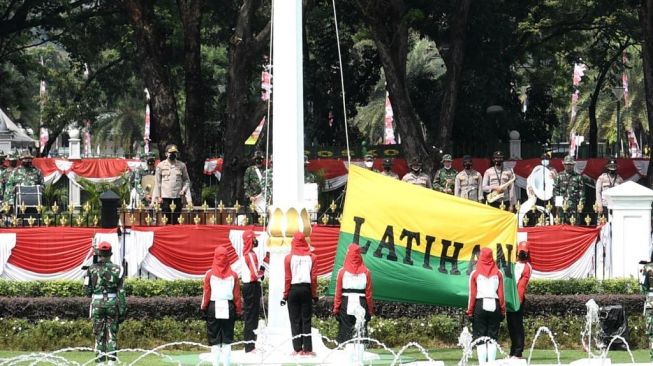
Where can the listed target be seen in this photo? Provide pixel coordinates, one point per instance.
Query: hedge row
(187, 308)
(184, 288)
(430, 331)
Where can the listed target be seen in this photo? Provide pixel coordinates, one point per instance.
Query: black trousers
(486, 323)
(252, 308)
(516, 329)
(347, 323)
(220, 331)
(300, 310)
(497, 204)
(165, 208)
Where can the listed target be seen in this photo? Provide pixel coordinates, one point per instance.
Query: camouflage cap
(446, 157)
(26, 155)
(569, 160)
(12, 156)
(2, 154)
(369, 157)
(258, 155)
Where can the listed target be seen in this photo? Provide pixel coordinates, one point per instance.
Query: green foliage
(583, 286)
(209, 194)
(93, 190)
(428, 330)
(185, 288)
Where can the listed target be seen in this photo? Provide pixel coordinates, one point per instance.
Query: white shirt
(222, 288)
(300, 267)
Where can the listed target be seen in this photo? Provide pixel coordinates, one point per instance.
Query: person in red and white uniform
(515, 319)
(300, 288)
(486, 304)
(250, 275)
(221, 304)
(353, 294)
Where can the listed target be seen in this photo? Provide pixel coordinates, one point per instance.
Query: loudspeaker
(109, 211)
(613, 322)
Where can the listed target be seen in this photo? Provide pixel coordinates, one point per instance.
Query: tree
(388, 22)
(646, 21)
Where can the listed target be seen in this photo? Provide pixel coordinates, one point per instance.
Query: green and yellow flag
(421, 245)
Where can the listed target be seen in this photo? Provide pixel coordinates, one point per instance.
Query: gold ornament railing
(578, 216)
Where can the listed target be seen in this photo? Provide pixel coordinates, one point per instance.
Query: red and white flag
(87, 138)
(44, 136)
(146, 129)
(266, 84)
(633, 145)
(389, 133)
(624, 80)
(577, 76)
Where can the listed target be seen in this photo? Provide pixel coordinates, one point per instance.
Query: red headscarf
(485, 264)
(299, 245)
(522, 247)
(353, 260)
(248, 241)
(220, 267)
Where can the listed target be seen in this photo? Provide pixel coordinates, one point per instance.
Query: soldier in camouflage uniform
(569, 186)
(604, 182)
(108, 305)
(24, 175)
(253, 178)
(4, 172)
(387, 169)
(647, 290)
(137, 176)
(416, 176)
(13, 160)
(445, 177)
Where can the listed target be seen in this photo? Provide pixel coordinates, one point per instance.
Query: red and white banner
(185, 251)
(95, 170)
(389, 133)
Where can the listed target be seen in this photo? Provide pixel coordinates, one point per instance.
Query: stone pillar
(631, 228)
(74, 153)
(515, 145)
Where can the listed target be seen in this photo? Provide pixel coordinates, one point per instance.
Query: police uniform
(496, 176)
(445, 177)
(417, 177)
(467, 184)
(108, 305)
(570, 187)
(605, 182)
(171, 183)
(387, 169)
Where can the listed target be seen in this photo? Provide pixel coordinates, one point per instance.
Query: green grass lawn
(449, 356)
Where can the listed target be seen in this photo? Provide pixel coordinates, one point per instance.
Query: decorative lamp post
(618, 92)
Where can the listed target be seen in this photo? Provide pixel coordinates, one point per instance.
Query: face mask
(387, 168)
(612, 172)
(467, 165)
(369, 164)
(498, 162)
(27, 164)
(172, 156)
(447, 165)
(545, 162)
(569, 168)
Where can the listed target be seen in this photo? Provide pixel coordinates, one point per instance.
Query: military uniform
(108, 305)
(171, 183)
(252, 181)
(444, 180)
(570, 187)
(647, 290)
(136, 178)
(496, 176)
(467, 184)
(309, 177)
(3, 174)
(21, 176)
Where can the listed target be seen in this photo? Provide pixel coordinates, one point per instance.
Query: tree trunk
(388, 24)
(244, 111)
(454, 63)
(191, 16)
(603, 71)
(646, 20)
(164, 118)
